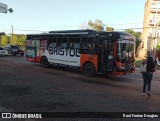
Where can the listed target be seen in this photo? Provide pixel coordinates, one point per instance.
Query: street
(28, 87)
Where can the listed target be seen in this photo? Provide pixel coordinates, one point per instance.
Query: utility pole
(12, 34)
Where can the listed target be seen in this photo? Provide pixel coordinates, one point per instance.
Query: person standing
(148, 75)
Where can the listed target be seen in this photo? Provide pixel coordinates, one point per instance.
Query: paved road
(26, 87)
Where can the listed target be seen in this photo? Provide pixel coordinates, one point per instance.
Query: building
(151, 28)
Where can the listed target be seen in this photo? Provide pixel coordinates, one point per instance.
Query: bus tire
(89, 69)
(44, 62)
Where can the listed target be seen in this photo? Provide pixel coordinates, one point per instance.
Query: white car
(3, 52)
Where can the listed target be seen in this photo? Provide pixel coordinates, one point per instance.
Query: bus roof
(113, 34)
(74, 31)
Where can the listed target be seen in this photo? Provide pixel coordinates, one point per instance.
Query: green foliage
(4, 40)
(97, 25)
(137, 36)
(19, 39)
(138, 63)
(109, 29)
(158, 48)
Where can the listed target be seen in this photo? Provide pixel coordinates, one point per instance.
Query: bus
(90, 51)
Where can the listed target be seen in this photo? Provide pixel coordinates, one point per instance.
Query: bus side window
(71, 43)
(91, 45)
(64, 43)
(84, 44)
(54, 42)
(110, 47)
(59, 42)
(77, 43)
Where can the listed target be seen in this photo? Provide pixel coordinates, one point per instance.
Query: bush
(138, 63)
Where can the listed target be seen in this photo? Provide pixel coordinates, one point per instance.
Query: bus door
(110, 61)
(105, 56)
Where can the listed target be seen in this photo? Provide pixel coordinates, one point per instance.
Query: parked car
(14, 50)
(3, 51)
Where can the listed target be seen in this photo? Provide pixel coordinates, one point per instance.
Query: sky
(35, 16)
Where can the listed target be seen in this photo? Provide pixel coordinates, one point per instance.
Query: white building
(151, 27)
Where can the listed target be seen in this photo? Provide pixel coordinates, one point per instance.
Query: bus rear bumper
(36, 60)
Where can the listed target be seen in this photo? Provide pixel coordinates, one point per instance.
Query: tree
(19, 39)
(97, 25)
(137, 36)
(109, 29)
(4, 40)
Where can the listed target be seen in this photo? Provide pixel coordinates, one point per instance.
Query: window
(88, 45)
(91, 43)
(43, 42)
(110, 47)
(71, 43)
(84, 43)
(29, 42)
(15, 47)
(77, 43)
(59, 42)
(52, 42)
(1, 48)
(64, 42)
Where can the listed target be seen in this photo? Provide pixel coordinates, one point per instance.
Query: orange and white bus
(88, 50)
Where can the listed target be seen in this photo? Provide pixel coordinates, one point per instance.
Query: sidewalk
(156, 73)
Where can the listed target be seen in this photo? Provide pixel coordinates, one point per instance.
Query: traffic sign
(3, 8)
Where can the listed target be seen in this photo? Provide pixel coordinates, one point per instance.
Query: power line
(126, 23)
(136, 28)
(5, 30)
(30, 30)
(36, 30)
(70, 26)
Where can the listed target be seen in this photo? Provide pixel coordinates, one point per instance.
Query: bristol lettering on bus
(63, 51)
(90, 51)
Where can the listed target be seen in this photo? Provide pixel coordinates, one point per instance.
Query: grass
(138, 62)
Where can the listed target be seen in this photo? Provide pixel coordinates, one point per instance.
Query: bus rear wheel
(44, 62)
(89, 69)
